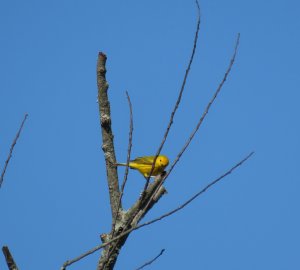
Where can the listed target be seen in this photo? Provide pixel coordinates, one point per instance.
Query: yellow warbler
(144, 165)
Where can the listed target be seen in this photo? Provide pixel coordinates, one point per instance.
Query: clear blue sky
(54, 201)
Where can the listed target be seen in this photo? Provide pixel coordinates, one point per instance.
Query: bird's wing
(144, 160)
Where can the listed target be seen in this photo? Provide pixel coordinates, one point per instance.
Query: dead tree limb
(12, 149)
(11, 264)
(107, 135)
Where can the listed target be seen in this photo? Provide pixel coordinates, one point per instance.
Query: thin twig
(127, 162)
(207, 107)
(179, 95)
(129, 146)
(201, 118)
(151, 261)
(11, 264)
(91, 251)
(12, 148)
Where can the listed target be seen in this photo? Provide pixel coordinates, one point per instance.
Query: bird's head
(163, 161)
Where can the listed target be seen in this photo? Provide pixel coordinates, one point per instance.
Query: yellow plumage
(144, 165)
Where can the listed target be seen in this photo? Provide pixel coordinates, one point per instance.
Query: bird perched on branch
(144, 165)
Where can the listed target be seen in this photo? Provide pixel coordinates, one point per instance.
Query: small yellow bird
(144, 165)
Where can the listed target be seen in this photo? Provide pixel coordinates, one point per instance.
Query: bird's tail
(121, 164)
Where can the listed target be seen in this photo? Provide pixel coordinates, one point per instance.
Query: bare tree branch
(128, 160)
(204, 113)
(11, 264)
(151, 261)
(12, 148)
(207, 107)
(179, 95)
(129, 146)
(91, 251)
(107, 135)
